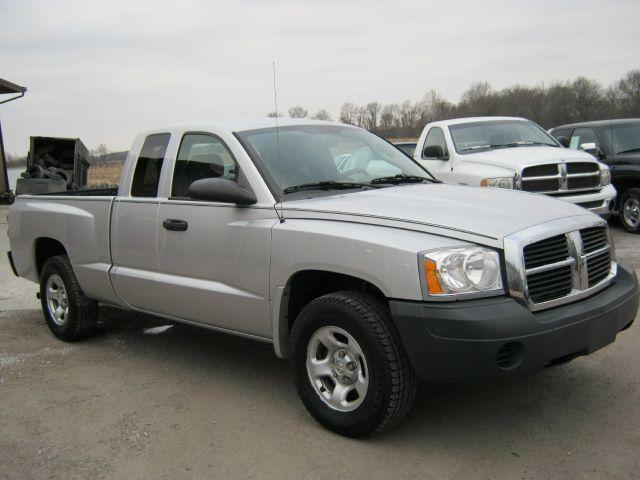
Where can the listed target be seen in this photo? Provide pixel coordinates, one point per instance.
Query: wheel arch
(625, 182)
(305, 286)
(43, 249)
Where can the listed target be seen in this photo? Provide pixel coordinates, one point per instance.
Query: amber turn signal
(431, 273)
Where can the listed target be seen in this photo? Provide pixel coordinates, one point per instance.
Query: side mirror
(434, 151)
(221, 190)
(591, 148)
(564, 141)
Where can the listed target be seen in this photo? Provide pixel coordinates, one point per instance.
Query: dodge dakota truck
(367, 277)
(514, 153)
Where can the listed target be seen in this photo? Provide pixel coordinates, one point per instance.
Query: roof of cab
(457, 121)
(598, 123)
(239, 125)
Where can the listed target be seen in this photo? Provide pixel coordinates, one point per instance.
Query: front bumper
(601, 202)
(498, 337)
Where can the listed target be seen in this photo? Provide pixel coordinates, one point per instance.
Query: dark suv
(616, 143)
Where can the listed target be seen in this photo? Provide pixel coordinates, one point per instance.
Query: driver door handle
(175, 225)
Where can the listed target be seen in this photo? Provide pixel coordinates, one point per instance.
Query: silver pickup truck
(337, 248)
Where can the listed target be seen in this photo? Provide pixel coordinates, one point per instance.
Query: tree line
(549, 105)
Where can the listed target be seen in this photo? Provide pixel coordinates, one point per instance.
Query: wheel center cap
(344, 366)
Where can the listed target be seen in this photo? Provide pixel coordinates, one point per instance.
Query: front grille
(567, 264)
(593, 239)
(582, 168)
(558, 178)
(544, 252)
(579, 183)
(539, 186)
(598, 268)
(550, 284)
(541, 170)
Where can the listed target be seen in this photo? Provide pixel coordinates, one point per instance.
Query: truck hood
(517, 158)
(484, 215)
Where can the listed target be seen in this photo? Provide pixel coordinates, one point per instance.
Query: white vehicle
(514, 153)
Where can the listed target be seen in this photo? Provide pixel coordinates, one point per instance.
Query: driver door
(213, 257)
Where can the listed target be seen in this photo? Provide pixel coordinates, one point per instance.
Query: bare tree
(100, 154)
(298, 112)
(408, 115)
(626, 94)
(274, 114)
(372, 111)
(387, 118)
(479, 99)
(588, 99)
(557, 100)
(322, 115)
(349, 113)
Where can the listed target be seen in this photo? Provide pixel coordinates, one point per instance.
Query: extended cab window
(201, 156)
(146, 176)
(435, 137)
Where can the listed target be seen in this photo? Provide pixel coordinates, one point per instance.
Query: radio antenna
(275, 102)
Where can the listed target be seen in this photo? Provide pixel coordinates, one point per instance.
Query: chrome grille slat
(593, 239)
(546, 251)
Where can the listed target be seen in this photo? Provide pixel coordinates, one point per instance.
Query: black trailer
(7, 88)
(54, 165)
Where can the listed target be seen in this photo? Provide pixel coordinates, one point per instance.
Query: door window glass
(581, 136)
(435, 137)
(146, 176)
(201, 156)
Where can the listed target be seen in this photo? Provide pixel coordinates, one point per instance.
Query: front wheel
(69, 314)
(349, 366)
(630, 210)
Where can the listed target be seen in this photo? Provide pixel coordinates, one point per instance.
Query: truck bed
(89, 192)
(78, 220)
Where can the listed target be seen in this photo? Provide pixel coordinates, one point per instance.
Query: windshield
(304, 155)
(478, 136)
(625, 138)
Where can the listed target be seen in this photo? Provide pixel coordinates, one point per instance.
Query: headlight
(498, 182)
(605, 176)
(460, 271)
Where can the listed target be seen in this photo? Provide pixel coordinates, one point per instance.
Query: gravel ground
(145, 399)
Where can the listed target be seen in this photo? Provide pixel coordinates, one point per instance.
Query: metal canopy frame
(7, 87)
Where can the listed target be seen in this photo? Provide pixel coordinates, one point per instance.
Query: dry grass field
(108, 173)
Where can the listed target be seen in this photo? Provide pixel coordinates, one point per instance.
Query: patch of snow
(156, 330)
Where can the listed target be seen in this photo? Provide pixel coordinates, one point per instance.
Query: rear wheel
(69, 314)
(348, 364)
(630, 210)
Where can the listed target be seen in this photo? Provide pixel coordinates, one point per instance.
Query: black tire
(392, 382)
(629, 194)
(80, 321)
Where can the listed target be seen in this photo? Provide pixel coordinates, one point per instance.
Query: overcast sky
(104, 70)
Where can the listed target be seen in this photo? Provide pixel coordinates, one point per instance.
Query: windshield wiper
(631, 150)
(400, 178)
(475, 147)
(325, 185)
(523, 143)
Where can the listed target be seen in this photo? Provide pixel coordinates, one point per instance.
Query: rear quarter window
(146, 176)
